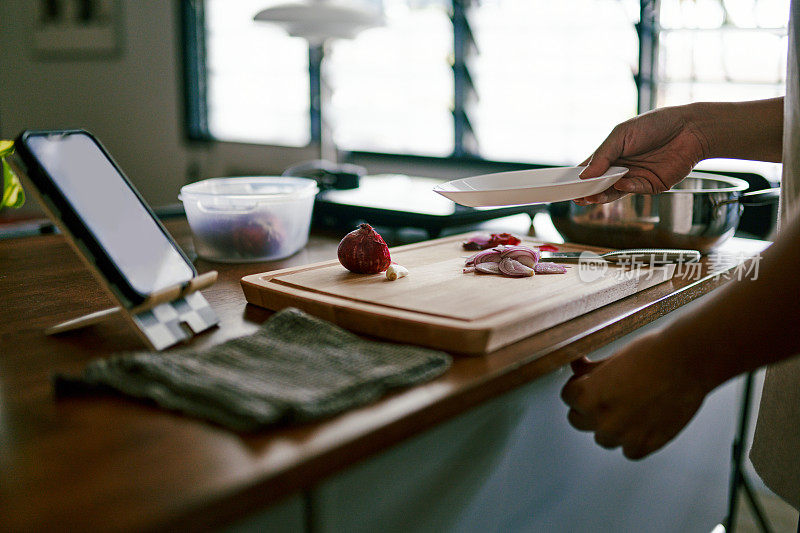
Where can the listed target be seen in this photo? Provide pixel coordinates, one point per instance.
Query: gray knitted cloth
(295, 368)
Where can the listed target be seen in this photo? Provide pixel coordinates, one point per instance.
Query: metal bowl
(699, 213)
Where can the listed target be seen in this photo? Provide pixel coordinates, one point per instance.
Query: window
(392, 86)
(530, 81)
(713, 50)
(721, 50)
(551, 78)
(257, 78)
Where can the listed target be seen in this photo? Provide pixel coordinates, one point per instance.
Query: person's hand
(639, 398)
(659, 148)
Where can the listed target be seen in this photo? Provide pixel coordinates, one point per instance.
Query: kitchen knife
(640, 256)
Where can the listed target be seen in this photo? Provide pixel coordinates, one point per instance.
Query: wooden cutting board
(439, 306)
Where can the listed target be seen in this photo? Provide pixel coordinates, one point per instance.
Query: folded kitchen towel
(295, 368)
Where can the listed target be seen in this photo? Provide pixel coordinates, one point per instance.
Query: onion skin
(363, 251)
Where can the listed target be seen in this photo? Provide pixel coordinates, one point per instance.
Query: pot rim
(736, 184)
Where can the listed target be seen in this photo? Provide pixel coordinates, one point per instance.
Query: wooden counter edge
(303, 476)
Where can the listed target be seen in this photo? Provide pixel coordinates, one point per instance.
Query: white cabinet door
(515, 464)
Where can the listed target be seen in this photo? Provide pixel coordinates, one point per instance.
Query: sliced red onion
(517, 261)
(527, 256)
(550, 268)
(512, 267)
(488, 268)
(477, 242)
(486, 256)
(470, 260)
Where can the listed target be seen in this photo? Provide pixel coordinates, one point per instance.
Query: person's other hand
(659, 148)
(639, 398)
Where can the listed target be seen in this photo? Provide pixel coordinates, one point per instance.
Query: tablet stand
(166, 317)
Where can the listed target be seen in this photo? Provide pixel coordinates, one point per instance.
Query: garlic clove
(396, 271)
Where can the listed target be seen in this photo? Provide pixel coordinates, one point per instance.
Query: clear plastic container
(248, 219)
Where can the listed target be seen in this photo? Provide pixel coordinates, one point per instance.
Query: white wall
(132, 102)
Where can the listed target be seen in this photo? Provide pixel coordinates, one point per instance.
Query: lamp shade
(318, 21)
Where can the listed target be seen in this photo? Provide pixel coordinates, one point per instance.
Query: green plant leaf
(13, 195)
(6, 147)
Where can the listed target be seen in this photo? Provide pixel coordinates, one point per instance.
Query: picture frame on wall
(77, 29)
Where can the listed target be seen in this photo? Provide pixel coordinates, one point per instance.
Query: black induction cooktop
(399, 201)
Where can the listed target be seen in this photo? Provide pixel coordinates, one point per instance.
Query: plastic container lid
(253, 188)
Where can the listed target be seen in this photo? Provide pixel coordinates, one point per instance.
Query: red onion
(511, 260)
(512, 267)
(549, 268)
(483, 241)
(486, 256)
(488, 268)
(470, 260)
(477, 242)
(363, 251)
(527, 256)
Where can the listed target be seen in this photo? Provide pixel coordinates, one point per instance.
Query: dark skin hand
(661, 147)
(641, 397)
(658, 148)
(638, 399)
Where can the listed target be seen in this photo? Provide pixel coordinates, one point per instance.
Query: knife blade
(642, 256)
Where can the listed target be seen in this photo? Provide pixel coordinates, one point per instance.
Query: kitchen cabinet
(515, 464)
(286, 516)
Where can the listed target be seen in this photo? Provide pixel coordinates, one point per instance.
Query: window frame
(195, 82)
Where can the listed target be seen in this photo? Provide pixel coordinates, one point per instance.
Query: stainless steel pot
(699, 213)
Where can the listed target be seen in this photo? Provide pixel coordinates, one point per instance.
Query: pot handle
(754, 198)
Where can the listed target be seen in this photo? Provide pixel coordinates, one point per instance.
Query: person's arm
(661, 147)
(741, 130)
(752, 322)
(641, 397)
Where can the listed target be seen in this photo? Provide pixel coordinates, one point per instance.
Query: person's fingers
(629, 184)
(609, 195)
(583, 366)
(636, 185)
(608, 152)
(572, 390)
(640, 446)
(637, 448)
(598, 164)
(605, 440)
(580, 421)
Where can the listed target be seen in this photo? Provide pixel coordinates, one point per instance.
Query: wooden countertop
(112, 463)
